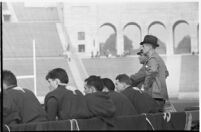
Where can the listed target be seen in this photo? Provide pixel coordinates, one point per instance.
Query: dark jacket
(62, 103)
(138, 78)
(122, 104)
(100, 104)
(11, 114)
(156, 74)
(142, 102)
(24, 103)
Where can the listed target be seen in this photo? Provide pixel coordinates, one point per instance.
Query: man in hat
(156, 71)
(138, 78)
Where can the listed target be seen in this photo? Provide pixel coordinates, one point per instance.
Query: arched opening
(181, 37)
(107, 39)
(132, 38)
(158, 29)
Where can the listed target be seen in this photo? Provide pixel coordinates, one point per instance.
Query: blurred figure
(156, 71)
(142, 102)
(20, 105)
(139, 77)
(121, 102)
(61, 103)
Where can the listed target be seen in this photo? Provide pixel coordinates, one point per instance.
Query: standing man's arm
(138, 77)
(151, 72)
(166, 72)
(51, 109)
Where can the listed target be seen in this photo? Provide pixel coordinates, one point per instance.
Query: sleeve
(51, 109)
(152, 67)
(151, 72)
(10, 112)
(166, 72)
(138, 77)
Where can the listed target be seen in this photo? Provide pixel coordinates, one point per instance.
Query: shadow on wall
(109, 47)
(184, 45)
(162, 47)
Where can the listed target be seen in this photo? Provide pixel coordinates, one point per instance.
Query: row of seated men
(102, 99)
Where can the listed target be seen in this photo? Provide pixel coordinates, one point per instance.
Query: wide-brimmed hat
(151, 40)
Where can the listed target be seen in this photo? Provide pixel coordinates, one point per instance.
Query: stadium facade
(58, 27)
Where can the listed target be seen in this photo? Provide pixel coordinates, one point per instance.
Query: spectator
(142, 102)
(122, 103)
(98, 102)
(156, 71)
(61, 102)
(20, 104)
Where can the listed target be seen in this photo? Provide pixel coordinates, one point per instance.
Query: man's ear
(124, 84)
(93, 89)
(57, 81)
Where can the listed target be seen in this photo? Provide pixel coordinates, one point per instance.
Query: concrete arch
(132, 23)
(135, 24)
(156, 22)
(178, 22)
(180, 48)
(106, 48)
(132, 46)
(109, 24)
(158, 29)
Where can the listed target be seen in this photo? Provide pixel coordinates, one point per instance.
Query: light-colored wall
(89, 18)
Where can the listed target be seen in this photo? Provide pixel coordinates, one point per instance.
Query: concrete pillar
(173, 64)
(170, 41)
(97, 44)
(144, 31)
(119, 42)
(194, 37)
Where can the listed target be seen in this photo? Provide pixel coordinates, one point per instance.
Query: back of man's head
(95, 81)
(108, 83)
(58, 73)
(123, 78)
(9, 78)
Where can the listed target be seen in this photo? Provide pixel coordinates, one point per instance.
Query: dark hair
(9, 78)
(95, 81)
(58, 73)
(123, 78)
(108, 83)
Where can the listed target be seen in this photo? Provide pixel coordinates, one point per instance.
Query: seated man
(61, 102)
(20, 104)
(122, 103)
(142, 102)
(99, 103)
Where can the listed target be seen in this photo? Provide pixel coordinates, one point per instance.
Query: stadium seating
(18, 52)
(24, 13)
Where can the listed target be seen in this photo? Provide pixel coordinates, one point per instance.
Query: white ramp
(76, 66)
